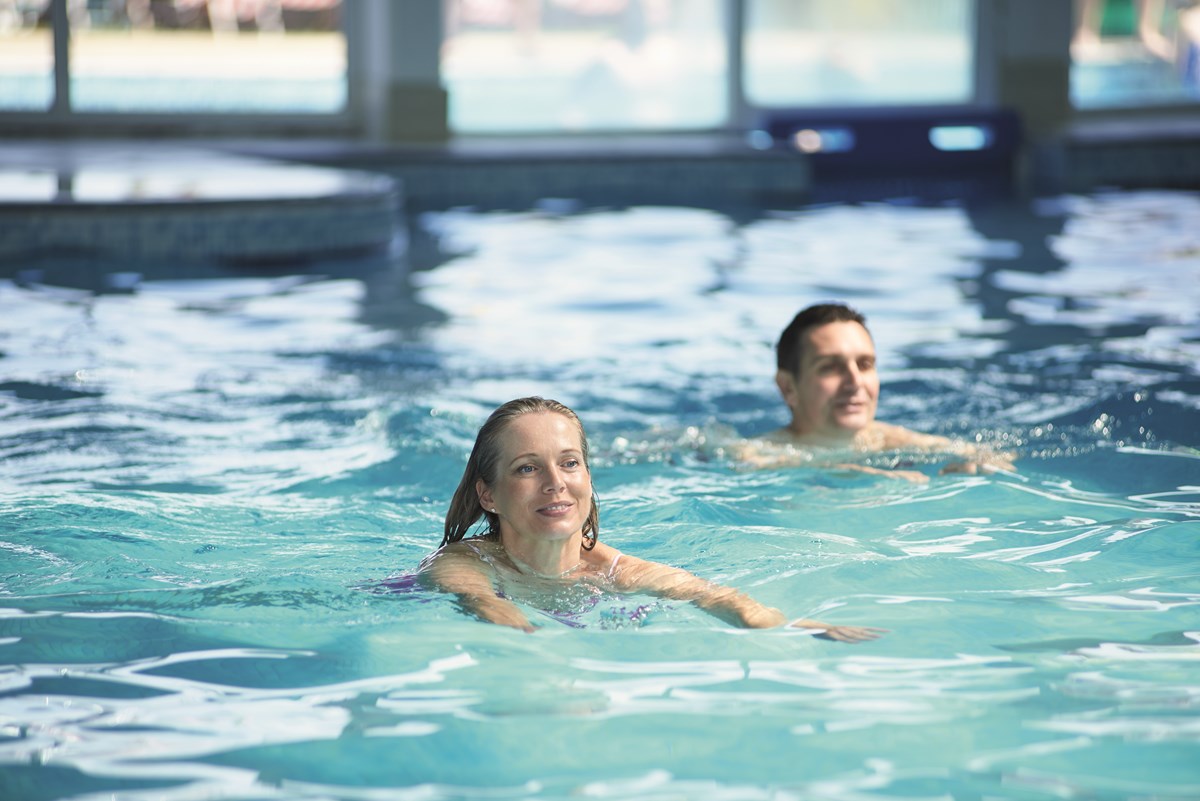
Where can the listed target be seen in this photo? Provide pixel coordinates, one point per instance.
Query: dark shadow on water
(389, 300)
(38, 782)
(26, 390)
(1165, 638)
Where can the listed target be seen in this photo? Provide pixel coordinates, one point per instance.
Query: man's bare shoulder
(886, 437)
(877, 436)
(781, 436)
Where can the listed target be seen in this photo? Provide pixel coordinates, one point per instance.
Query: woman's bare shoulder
(473, 549)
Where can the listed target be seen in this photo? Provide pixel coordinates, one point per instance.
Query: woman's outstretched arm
(726, 603)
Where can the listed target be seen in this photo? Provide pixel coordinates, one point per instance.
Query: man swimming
(827, 377)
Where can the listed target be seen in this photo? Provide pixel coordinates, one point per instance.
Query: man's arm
(974, 458)
(768, 454)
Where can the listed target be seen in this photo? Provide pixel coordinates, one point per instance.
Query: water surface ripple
(205, 480)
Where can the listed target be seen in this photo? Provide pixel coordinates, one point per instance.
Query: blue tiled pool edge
(163, 202)
(227, 231)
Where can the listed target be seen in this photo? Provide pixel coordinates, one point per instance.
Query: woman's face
(543, 488)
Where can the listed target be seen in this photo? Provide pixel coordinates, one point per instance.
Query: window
(1127, 53)
(26, 58)
(858, 52)
(585, 65)
(258, 56)
(178, 56)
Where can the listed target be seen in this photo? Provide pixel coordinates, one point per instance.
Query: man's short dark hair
(787, 350)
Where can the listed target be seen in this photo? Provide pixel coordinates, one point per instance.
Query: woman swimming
(528, 475)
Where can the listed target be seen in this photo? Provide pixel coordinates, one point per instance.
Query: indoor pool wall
(208, 477)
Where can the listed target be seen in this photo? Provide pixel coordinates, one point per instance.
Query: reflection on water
(202, 474)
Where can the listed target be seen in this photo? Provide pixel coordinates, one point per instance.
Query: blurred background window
(26, 56)
(198, 56)
(1127, 53)
(858, 52)
(559, 66)
(585, 65)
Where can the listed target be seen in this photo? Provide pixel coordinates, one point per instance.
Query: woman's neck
(548, 559)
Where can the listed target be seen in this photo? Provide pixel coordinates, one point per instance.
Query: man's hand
(991, 463)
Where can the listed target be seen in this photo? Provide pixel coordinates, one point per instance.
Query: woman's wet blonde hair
(465, 511)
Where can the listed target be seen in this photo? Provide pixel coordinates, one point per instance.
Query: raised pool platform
(157, 202)
(261, 202)
(614, 169)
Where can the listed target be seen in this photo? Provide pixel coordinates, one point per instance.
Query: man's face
(836, 389)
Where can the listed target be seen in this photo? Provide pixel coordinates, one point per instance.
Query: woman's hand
(849, 634)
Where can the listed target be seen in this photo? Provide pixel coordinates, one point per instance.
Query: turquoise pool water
(206, 479)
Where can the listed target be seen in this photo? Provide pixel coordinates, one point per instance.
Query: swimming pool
(206, 479)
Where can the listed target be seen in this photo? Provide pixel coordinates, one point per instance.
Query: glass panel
(254, 56)
(26, 56)
(857, 52)
(584, 65)
(1135, 53)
